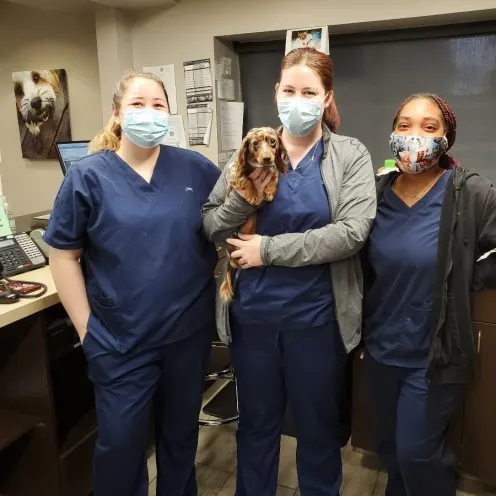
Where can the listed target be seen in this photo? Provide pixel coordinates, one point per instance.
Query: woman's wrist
(264, 250)
(81, 326)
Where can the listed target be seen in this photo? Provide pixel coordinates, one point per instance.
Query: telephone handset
(19, 253)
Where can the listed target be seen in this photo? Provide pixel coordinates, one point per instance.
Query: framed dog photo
(42, 103)
(317, 38)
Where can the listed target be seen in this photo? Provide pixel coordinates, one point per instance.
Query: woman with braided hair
(434, 221)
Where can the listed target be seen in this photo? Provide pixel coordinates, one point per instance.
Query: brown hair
(323, 66)
(449, 120)
(110, 137)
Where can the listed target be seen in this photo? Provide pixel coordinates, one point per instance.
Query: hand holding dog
(247, 254)
(260, 177)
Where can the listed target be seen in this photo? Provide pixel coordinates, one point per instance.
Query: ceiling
(80, 5)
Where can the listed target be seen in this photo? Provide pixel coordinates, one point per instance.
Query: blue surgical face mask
(299, 115)
(145, 127)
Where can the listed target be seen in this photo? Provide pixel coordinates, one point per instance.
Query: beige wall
(32, 39)
(115, 52)
(186, 31)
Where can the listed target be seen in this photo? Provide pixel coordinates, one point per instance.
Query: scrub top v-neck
(403, 253)
(290, 297)
(147, 267)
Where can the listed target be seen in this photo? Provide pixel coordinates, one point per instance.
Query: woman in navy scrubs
(142, 296)
(297, 306)
(434, 221)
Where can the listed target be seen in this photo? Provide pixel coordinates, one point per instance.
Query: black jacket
(467, 230)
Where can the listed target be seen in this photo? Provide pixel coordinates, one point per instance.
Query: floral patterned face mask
(415, 154)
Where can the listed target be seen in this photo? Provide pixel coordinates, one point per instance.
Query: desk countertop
(13, 312)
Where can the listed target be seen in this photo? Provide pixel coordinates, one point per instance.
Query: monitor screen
(71, 152)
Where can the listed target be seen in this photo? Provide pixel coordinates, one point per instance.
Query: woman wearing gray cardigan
(297, 309)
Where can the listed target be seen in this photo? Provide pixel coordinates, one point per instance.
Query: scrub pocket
(414, 327)
(91, 345)
(103, 301)
(87, 336)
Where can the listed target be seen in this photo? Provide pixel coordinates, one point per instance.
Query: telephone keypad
(22, 256)
(13, 259)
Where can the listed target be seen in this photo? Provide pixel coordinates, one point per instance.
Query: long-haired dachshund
(262, 147)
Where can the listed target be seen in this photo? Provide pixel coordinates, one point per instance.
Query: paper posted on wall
(219, 67)
(231, 124)
(225, 89)
(317, 38)
(223, 68)
(199, 124)
(198, 80)
(168, 76)
(225, 157)
(175, 134)
(227, 63)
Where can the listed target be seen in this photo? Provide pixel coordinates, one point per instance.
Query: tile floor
(216, 467)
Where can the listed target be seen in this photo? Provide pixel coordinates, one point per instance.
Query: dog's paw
(269, 196)
(234, 264)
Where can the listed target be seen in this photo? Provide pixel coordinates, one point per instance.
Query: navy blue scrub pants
(304, 368)
(126, 385)
(412, 418)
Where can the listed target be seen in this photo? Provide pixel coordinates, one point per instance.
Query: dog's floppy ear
(54, 80)
(243, 157)
(281, 156)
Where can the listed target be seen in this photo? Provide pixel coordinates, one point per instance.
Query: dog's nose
(36, 103)
(267, 160)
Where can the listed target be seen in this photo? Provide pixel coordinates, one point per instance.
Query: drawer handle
(479, 334)
(362, 354)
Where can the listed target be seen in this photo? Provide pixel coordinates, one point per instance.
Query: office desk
(46, 449)
(44, 452)
(24, 308)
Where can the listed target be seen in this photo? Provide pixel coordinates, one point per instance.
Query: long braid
(449, 118)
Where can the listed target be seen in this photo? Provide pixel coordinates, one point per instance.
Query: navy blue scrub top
(290, 297)
(147, 267)
(403, 253)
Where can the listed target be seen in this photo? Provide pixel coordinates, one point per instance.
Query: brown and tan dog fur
(262, 147)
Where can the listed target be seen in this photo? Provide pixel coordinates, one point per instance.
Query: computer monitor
(70, 152)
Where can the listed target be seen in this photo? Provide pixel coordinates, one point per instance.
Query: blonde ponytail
(108, 139)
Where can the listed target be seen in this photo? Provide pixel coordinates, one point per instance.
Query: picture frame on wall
(42, 103)
(316, 37)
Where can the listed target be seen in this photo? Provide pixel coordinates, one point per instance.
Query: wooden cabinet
(473, 432)
(478, 451)
(47, 430)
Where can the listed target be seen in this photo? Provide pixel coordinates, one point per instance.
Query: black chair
(226, 399)
(228, 394)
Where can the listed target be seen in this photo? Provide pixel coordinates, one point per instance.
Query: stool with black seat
(224, 404)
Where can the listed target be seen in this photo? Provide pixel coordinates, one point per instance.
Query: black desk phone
(19, 253)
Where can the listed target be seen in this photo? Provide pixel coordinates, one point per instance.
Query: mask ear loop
(325, 105)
